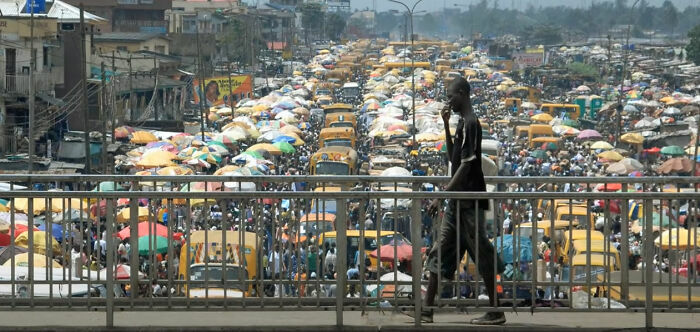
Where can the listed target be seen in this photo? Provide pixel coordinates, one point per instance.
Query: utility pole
(201, 85)
(32, 62)
(155, 90)
(131, 91)
(103, 118)
(113, 96)
(83, 83)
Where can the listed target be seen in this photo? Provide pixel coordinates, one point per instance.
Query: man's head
(458, 94)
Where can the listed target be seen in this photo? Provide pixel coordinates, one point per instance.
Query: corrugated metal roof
(128, 36)
(63, 12)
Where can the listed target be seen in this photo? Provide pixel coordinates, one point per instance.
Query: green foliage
(312, 19)
(542, 35)
(693, 48)
(335, 25)
(583, 70)
(238, 38)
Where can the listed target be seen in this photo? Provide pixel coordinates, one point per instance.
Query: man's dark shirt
(467, 148)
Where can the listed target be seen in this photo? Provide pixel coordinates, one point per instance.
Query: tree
(693, 47)
(312, 19)
(238, 38)
(335, 25)
(670, 15)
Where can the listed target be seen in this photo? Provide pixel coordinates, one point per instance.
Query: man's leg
(485, 261)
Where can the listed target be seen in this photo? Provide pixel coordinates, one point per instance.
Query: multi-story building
(129, 15)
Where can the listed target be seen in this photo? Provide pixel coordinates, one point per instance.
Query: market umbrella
(285, 139)
(160, 246)
(285, 147)
(588, 134)
(632, 164)
(672, 111)
(123, 272)
(175, 170)
(659, 221)
(549, 146)
(610, 155)
(680, 239)
(156, 158)
(404, 252)
(610, 187)
(273, 150)
(56, 231)
(124, 215)
(601, 145)
(143, 137)
(617, 168)
(570, 123)
(227, 139)
(123, 132)
(40, 239)
(675, 165)
(40, 260)
(542, 117)
(673, 150)
(144, 228)
(218, 148)
(632, 138)
(583, 88)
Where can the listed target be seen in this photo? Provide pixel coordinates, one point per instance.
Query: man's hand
(445, 114)
(434, 207)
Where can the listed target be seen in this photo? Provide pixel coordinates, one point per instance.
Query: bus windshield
(338, 142)
(332, 168)
(341, 125)
(215, 272)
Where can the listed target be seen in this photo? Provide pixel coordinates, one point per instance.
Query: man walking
(465, 156)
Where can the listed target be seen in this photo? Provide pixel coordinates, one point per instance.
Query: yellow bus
(203, 260)
(538, 130)
(570, 111)
(530, 94)
(337, 136)
(333, 160)
(407, 64)
(341, 120)
(337, 107)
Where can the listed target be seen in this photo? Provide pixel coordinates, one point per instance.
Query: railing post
(648, 264)
(416, 260)
(134, 244)
(111, 250)
(341, 259)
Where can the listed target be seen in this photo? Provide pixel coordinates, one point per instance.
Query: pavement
(322, 321)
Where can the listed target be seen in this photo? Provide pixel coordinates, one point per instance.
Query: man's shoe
(490, 318)
(426, 316)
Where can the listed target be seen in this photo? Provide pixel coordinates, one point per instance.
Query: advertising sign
(39, 6)
(524, 60)
(216, 89)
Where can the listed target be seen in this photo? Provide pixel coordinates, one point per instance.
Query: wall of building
(159, 45)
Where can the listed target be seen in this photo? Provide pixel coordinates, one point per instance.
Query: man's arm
(448, 135)
(460, 176)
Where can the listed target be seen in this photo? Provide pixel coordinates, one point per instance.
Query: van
(579, 213)
(577, 234)
(603, 247)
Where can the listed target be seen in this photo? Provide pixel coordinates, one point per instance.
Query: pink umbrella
(588, 134)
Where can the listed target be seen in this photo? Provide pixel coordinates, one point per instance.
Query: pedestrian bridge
(192, 244)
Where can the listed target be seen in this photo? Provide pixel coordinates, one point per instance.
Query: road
(325, 321)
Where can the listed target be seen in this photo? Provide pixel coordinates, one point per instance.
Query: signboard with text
(216, 89)
(524, 60)
(38, 6)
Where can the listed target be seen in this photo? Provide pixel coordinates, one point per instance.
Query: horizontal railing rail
(218, 247)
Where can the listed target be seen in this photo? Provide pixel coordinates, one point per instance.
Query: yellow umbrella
(175, 170)
(632, 138)
(427, 137)
(601, 145)
(260, 108)
(124, 216)
(39, 205)
(39, 261)
(273, 150)
(610, 155)
(679, 239)
(40, 237)
(156, 158)
(143, 137)
(291, 130)
(542, 117)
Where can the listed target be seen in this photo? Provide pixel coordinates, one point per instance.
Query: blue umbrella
(505, 246)
(56, 231)
(284, 138)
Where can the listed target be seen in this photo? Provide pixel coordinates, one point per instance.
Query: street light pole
(624, 75)
(413, 76)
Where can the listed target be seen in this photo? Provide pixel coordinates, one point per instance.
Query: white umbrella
(583, 88)
(672, 111)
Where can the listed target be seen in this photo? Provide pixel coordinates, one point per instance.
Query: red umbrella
(612, 187)
(145, 228)
(653, 150)
(102, 208)
(614, 205)
(123, 272)
(5, 240)
(19, 229)
(404, 252)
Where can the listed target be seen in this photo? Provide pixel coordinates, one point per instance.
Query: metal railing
(20, 83)
(241, 243)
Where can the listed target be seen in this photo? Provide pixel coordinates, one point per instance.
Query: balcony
(19, 84)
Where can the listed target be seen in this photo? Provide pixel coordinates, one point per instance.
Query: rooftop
(128, 36)
(63, 12)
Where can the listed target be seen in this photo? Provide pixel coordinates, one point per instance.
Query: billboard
(524, 60)
(39, 6)
(216, 89)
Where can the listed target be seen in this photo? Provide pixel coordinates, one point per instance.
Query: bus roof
(578, 234)
(321, 217)
(217, 237)
(596, 260)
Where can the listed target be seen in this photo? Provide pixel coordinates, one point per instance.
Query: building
(131, 42)
(129, 15)
(190, 16)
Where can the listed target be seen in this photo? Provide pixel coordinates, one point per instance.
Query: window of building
(145, 48)
(121, 48)
(45, 56)
(160, 49)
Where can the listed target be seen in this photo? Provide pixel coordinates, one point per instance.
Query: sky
(435, 5)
